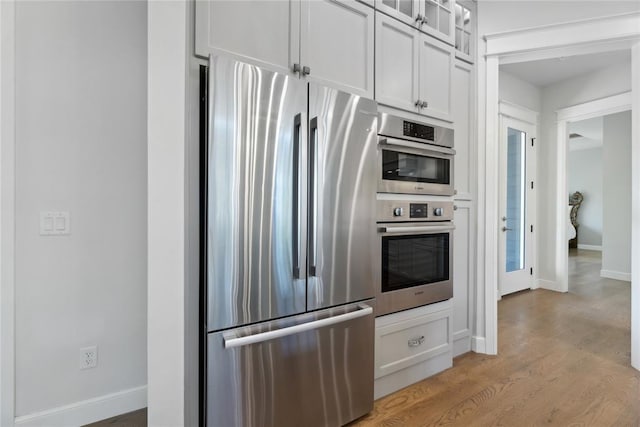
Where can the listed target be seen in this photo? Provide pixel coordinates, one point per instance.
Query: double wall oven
(415, 233)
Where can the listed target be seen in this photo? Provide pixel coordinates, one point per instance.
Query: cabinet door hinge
(531, 271)
(532, 185)
(532, 141)
(532, 228)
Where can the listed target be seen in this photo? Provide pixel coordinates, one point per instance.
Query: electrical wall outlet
(89, 357)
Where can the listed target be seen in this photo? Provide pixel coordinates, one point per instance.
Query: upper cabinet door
(336, 44)
(438, 19)
(465, 23)
(396, 63)
(408, 11)
(265, 33)
(436, 69)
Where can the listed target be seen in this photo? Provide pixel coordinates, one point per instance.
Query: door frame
(588, 110)
(511, 111)
(595, 35)
(7, 212)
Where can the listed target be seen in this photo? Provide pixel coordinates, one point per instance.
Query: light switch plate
(55, 223)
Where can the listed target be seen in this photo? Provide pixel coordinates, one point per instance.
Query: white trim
(478, 345)
(570, 38)
(88, 411)
(549, 285)
(590, 247)
(7, 212)
(616, 28)
(599, 107)
(515, 111)
(635, 207)
(617, 275)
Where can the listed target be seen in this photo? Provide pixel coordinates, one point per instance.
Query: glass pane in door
(406, 7)
(514, 220)
(390, 3)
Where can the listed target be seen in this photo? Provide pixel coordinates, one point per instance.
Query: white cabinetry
(413, 70)
(412, 345)
(330, 40)
(463, 108)
(463, 277)
(434, 17)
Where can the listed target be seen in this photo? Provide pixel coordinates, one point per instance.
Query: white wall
(519, 92)
(616, 155)
(600, 84)
(80, 147)
(585, 175)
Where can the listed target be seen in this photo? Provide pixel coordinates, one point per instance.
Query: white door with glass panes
(516, 205)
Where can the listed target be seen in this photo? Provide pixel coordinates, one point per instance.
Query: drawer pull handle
(415, 342)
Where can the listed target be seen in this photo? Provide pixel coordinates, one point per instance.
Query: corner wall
(616, 160)
(80, 147)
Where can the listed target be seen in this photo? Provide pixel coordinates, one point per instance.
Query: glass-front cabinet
(465, 30)
(434, 17)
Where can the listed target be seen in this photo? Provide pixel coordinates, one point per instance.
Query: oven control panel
(411, 211)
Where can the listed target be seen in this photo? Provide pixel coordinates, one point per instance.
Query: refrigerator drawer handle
(229, 342)
(423, 229)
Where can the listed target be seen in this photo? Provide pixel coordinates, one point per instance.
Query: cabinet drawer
(405, 343)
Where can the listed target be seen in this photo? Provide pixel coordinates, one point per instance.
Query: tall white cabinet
(464, 279)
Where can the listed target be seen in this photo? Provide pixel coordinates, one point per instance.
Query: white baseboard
(617, 275)
(590, 247)
(88, 411)
(478, 345)
(461, 342)
(548, 284)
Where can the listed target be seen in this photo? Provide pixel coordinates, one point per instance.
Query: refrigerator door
(315, 369)
(342, 193)
(256, 203)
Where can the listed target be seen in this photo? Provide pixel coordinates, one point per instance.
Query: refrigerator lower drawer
(315, 369)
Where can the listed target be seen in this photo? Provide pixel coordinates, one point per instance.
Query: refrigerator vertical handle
(313, 135)
(297, 123)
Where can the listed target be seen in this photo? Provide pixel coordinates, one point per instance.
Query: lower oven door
(416, 265)
(315, 369)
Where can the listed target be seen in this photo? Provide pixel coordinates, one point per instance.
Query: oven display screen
(416, 130)
(417, 210)
(414, 260)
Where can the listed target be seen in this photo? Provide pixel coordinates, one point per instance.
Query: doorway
(517, 206)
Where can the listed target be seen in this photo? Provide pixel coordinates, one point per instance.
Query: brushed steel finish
(342, 202)
(387, 209)
(307, 379)
(251, 184)
(392, 126)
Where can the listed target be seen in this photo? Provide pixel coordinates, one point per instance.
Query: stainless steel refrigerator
(289, 216)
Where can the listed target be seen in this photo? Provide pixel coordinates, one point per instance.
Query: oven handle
(417, 146)
(416, 229)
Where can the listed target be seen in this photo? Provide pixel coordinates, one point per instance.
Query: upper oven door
(410, 170)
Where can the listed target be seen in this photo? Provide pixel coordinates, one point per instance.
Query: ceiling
(591, 131)
(548, 71)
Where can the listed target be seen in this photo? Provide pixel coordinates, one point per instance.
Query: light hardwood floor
(563, 361)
